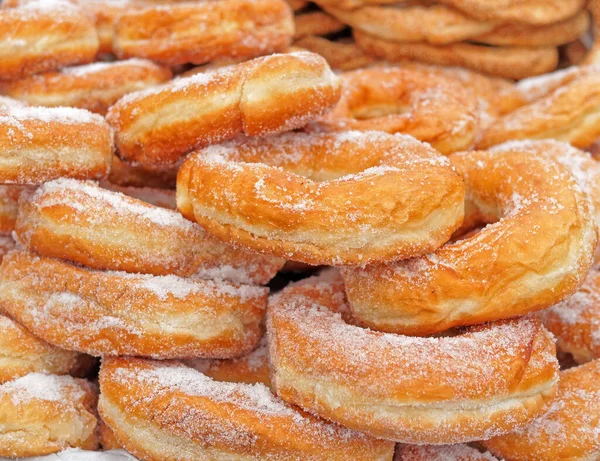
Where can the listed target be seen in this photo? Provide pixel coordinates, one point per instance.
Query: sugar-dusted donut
(514, 62)
(161, 410)
(43, 36)
(486, 380)
(151, 128)
(568, 431)
(94, 87)
(427, 105)
(164, 198)
(22, 353)
(200, 32)
(42, 414)
(330, 199)
(9, 205)
(536, 253)
(10, 103)
(441, 453)
(39, 144)
(341, 54)
(81, 222)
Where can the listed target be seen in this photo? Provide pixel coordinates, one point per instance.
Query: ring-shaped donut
(43, 36)
(39, 144)
(42, 414)
(570, 428)
(115, 313)
(151, 128)
(94, 87)
(429, 106)
(487, 380)
(81, 222)
(22, 353)
(514, 62)
(161, 410)
(330, 199)
(536, 252)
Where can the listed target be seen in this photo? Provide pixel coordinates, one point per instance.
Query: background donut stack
(215, 247)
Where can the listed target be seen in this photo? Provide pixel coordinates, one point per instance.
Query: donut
(94, 87)
(341, 55)
(515, 62)
(128, 175)
(79, 221)
(7, 103)
(163, 198)
(40, 144)
(115, 313)
(316, 23)
(483, 381)
(42, 414)
(536, 252)
(568, 431)
(441, 453)
(200, 32)
(42, 36)
(329, 199)
(593, 57)
(151, 128)
(161, 410)
(6, 244)
(9, 205)
(570, 113)
(22, 353)
(428, 106)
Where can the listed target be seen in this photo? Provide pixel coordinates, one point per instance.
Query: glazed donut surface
(324, 198)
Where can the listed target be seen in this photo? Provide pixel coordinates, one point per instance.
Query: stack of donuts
(214, 247)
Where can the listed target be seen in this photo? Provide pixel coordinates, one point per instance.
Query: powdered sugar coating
(40, 387)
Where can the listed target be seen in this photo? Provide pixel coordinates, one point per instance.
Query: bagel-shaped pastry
(9, 205)
(161, 410)
(115, 313)
(39, 144)
(81, 222)
(535, 254)
(429, 106)
(43, 36)
(151, 128)
(200, 32)
(94, 87)
(329, 199)
(163, 198)
(569, 431)
(316, 23)
(22, 353)
(42, 414)
(513, 62)
(483, 381)
(341, 55)
(441, 453)
(570, 113)
(125, 174)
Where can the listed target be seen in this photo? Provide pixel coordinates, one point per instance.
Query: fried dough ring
(151, 128)
(39, 144)
(535, 255)
(324, 198)
(94, 87)
(43, 414)
(40, 37)
(428, 106)
(230, 28)
(488, 380)
(440, 453)
(341, 55)
(507, 62)
(81, 222)
(115, 313)
(9, 205)
(571, 113)
(316, 23)
(568, 431)
(22, 353)
(169, 411)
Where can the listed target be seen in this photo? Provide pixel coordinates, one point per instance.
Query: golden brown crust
(508, 62)
(341, 55)
(43, 414)
(40, 144)
(429, 106)
(170, 34)
(151, 128)
(108, 441)
(570, 430)
(115, 313)
(536, 255)
(486, 380)
(324, 198)
(81, 222)
(94, 87)
(9, 205)
(168, 412)
(316, 23)
(42, 37)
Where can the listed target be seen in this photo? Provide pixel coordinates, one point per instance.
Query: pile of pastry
(215, 247)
